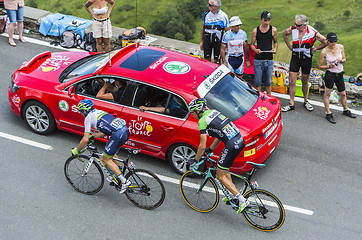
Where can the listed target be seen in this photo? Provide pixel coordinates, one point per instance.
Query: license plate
(267, 134)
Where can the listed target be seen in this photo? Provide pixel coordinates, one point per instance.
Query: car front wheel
(38, 117)
(178, 155)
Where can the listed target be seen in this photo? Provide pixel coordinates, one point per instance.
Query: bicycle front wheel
(265, 212)
(202, 196)
(146, 190)
(86, 183)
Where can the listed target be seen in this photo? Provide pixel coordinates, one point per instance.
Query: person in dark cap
(335, 58)
(265, 35)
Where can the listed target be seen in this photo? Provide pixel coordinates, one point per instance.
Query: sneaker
(308, 106)
(125, 186)
(330, 118)
(288, 108)
(349, 114)
(243, 205)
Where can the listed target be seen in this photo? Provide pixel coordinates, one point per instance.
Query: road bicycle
(85, 174)
(265, 212)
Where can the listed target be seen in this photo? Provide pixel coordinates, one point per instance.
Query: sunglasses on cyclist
(298, 25)
(211, 5)
(266, 19)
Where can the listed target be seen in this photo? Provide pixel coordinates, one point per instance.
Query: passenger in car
(155, 102)
(115, 92)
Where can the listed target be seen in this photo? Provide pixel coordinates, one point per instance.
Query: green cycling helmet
(198, 104)
(85, 106)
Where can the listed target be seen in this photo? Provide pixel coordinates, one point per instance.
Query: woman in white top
(102, 28)
(335, 58)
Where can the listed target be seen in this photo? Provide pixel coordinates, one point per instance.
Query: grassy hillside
(342, 17)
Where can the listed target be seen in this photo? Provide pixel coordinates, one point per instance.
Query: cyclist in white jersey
(106, 124)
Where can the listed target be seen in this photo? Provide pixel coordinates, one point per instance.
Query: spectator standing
(335, 58)
(15, 11)
(303, 38)
(233, 45)
(215, 22)
(102, 27)
(265, 35)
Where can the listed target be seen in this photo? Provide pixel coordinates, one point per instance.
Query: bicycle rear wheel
(202, 196)
(265, 212)
(146, 190)
(86, 183)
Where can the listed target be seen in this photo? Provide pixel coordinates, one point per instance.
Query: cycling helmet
(198, 104)
(85, 106)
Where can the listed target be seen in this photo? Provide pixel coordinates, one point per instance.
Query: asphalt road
(316, 172)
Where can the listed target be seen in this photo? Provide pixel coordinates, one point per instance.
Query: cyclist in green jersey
(215, 124)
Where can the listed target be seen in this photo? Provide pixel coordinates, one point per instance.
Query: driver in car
(114, 92)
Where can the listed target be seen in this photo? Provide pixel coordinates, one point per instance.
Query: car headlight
(13, 86)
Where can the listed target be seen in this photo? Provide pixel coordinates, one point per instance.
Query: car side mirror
(71, 91)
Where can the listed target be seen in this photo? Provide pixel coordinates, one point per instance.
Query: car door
(69, 116)
(151, 130)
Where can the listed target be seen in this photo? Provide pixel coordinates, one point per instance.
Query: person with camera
(335, 58)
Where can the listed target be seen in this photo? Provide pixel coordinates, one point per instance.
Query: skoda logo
(63, 105)
(176, 67)
(207, 85)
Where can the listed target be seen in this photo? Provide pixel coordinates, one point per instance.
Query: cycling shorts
(330, 78)
(236, 64)
(296, 63)
(209, 43)
(116, 141)
(232, 149)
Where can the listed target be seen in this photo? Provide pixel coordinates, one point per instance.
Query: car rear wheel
(178, 155)
(38, 117)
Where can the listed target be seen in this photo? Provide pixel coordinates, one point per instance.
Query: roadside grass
(341, 17)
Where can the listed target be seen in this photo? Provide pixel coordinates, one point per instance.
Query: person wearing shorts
(15, 11)
(214, 23)
(213, 123)
(335, 58)
(233, 44)
(105, 124)
(102, 27)
(303, 38)
(264, 35)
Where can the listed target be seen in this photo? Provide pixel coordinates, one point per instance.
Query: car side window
(176, 107)
(88, 87)
(128, 93)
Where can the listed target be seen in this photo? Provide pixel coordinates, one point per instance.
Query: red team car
(45, 92)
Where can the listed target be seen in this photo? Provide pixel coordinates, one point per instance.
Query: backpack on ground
(90, 43)
(70, 39)
(129, 36)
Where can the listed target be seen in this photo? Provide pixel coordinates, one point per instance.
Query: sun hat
(235, 21)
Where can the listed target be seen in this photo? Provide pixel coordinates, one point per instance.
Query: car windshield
(85, 66)
(232, 97)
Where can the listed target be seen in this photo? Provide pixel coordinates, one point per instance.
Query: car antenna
(193, 88)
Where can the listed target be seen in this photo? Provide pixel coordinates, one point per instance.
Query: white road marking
(315, 103)
(193, 185)
(26, 141)
(44, 43)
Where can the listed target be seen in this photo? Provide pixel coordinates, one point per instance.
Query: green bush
(347, 13)
(319, 26)
(320, 3)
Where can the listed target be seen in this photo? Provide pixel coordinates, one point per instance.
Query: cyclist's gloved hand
(91, 139)
(191, 162)
(74, 151)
